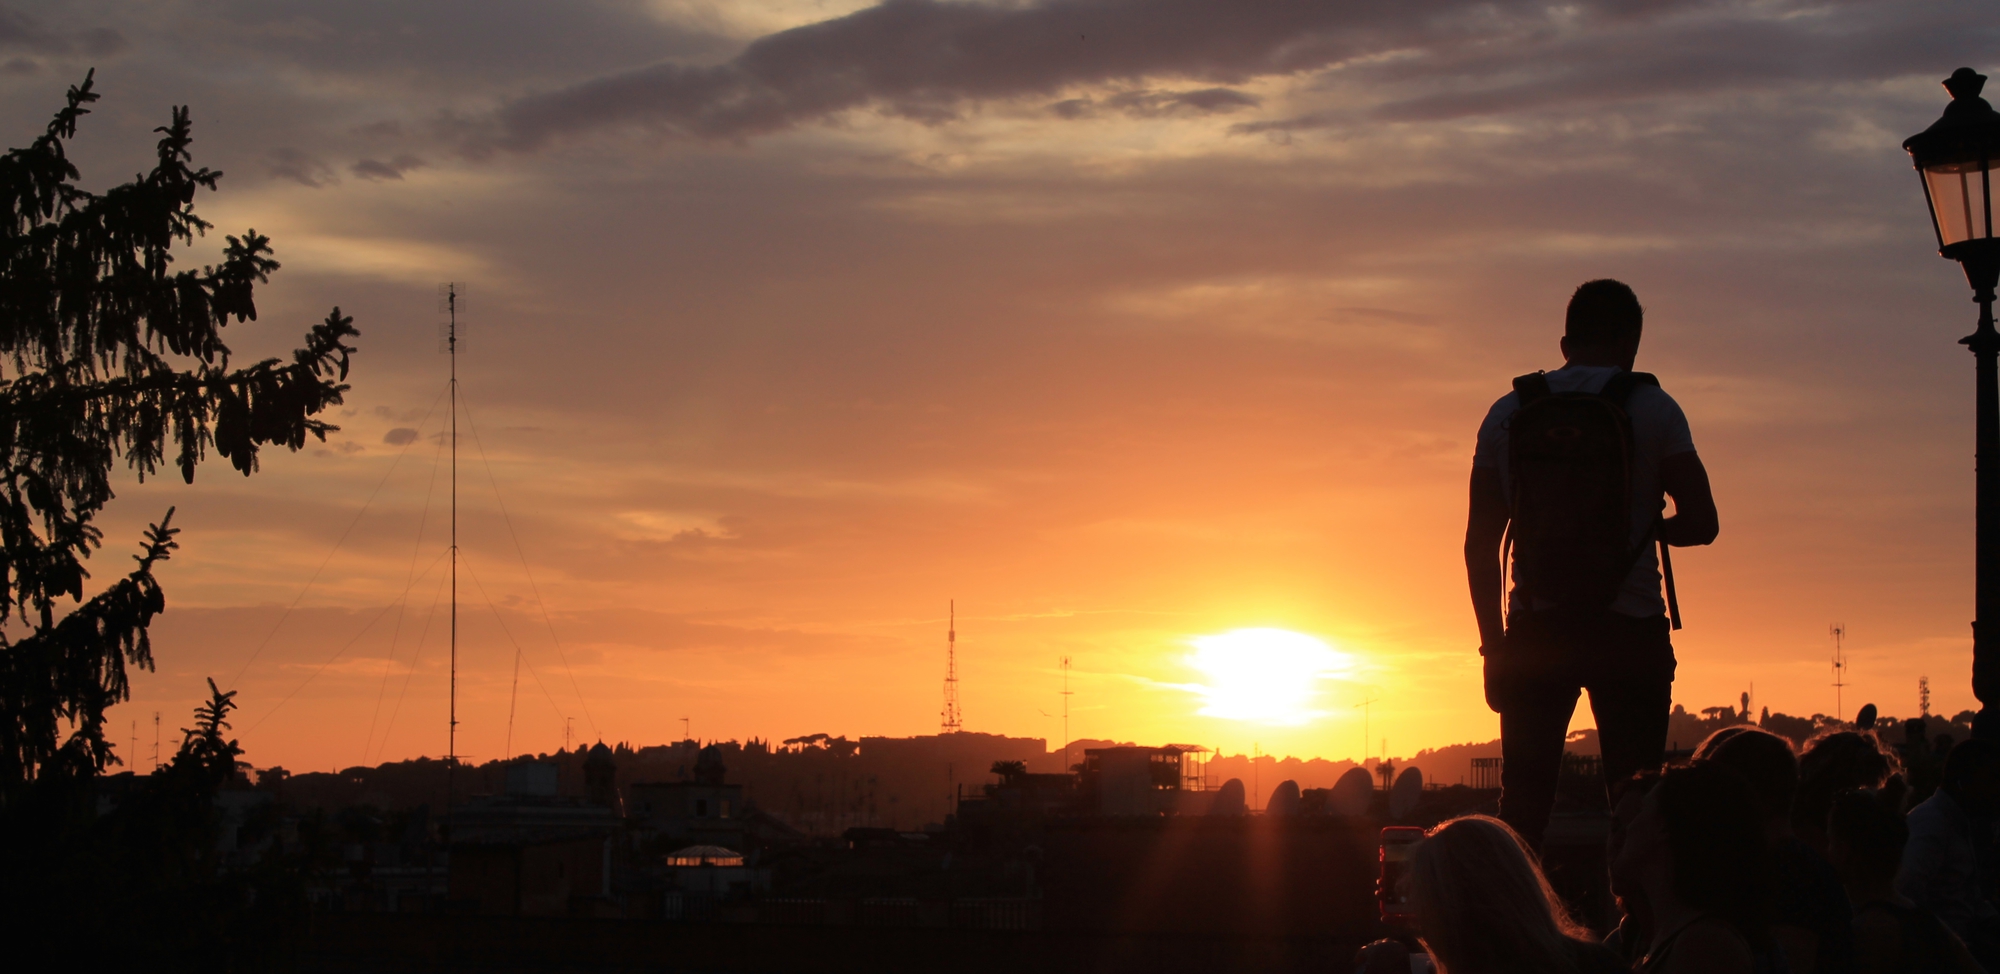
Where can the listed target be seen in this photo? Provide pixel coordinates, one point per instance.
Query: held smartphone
(1399, 923)
(1393, 855)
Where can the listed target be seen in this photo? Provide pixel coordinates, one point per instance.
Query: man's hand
(1686, 481)
(1485, 526)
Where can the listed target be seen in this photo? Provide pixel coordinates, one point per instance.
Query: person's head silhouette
(1602, 325)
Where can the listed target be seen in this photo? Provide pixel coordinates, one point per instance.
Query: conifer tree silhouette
(107, 353)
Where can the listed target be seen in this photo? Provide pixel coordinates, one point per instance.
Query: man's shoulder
(1656, 416)
(1645, 396)
(1654, 392)
(1937, 817)
(1503, 407)
(1937, 812)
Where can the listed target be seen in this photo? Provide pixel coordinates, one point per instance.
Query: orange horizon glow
(1169, 367)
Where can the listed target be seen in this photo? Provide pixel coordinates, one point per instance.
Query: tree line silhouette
(110, 355)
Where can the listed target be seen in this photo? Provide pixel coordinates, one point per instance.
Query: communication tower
(448, 294)
(1924, 697)
(1838, 631)
(1065, 696)
(1366, 707)
(952, 723)
(1256, 773)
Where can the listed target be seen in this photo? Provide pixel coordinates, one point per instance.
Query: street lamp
(1955, 157)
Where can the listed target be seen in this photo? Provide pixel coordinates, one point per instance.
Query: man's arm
(1485, 526)
(1686, 481)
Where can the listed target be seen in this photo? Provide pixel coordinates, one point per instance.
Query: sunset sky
(1123, 323)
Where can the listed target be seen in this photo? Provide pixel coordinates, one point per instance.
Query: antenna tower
(1256, 773)
(1065, 696)
(1365, 706)
(448, 296)
(952, 723)
(1924, 697)
(1838, 631)
(156, 740)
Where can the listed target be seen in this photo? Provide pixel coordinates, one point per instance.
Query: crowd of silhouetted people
(1846, 856)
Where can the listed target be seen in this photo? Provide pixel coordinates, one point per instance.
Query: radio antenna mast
(1065, 696)
(1838, 631)
(448, 296)
(952, 723)
(1366, 706)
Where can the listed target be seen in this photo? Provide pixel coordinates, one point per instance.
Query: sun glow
(1268, 676)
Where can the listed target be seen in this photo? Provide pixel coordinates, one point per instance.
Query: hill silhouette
(824, 783)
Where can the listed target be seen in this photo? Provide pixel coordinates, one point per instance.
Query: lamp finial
(1964, 83)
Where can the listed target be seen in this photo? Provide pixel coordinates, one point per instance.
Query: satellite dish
(1352, 793)
(1284, 801)
(1404, 795)
(1229, 799)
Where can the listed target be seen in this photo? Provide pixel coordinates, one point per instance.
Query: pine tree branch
(71, 672)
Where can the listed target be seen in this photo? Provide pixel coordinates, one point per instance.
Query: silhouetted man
(1570, 471)
(1949, 834)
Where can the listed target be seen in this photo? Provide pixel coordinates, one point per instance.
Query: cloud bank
(929, 61)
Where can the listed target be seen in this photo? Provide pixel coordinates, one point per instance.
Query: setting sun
(1269, 676)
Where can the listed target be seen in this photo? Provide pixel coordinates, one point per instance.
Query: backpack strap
(1667, 574)
(1619, 387)
(1533, 386)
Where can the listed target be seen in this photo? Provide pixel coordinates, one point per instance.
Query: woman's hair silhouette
(1483, 905)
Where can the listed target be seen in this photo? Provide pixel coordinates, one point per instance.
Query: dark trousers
(1533, 681)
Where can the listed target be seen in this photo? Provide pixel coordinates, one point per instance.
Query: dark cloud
(299, 167)
(1146, 103)
(924, 58)
(461, 45)
(22, 32)
(393, 169)
(400, 436)
(1734, 50)
(1280, 130)
(927, 60)
(388, 129)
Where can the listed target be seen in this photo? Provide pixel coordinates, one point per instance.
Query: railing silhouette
(1485, 772)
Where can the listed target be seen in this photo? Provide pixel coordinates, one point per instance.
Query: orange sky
(775, 346)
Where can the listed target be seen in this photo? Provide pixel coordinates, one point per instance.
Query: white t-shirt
(1659, 431)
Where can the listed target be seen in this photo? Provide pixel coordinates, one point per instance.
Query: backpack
(1570, 479)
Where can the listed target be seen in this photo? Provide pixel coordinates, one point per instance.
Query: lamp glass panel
(1958, 197)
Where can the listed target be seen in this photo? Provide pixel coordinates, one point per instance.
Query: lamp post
(1955, 157)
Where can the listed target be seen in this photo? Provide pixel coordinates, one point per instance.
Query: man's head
(1603, 324)
(1766, 762)
(1972, 776)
